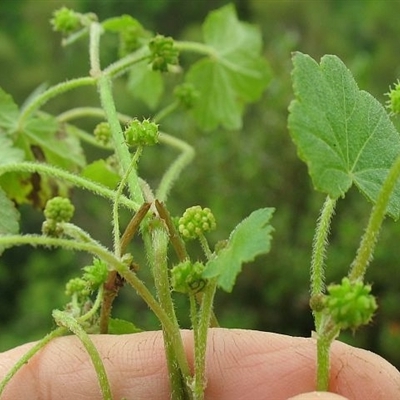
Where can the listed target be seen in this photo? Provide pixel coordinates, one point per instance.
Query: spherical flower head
(196, 221)
(59, 209)
(350, 304)
(102, 133)
(77, 286)
(186, 94)
(163, 53)
(141, 133)
(95, 274)
(186, 277)
(66, 20)
(394, 99)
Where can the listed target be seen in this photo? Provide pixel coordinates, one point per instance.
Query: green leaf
(9, 153)
(56, 143)
(146, 84)
(9, 217)
(117, 24)
(120, 327)
(234, 75)
(8, 111)
(99, 171)
(343, 133)
(249, 239)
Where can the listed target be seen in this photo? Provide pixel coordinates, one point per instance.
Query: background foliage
(233, 173)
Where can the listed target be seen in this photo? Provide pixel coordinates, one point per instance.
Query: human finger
(241, 364)
(318, 396)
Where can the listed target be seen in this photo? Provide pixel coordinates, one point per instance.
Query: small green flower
(77, 286)
(350, 304)
(186, 94)
(102, 133)
(186, 277)
(163, 53)
(141, 133)
(196, 221)
(95, 274)
(65, 20)
(59, 209)
(393, 103)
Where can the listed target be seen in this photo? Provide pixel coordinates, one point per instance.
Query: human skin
(241, 364)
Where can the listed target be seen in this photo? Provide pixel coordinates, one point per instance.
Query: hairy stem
(63, 319)
(50, 93)
(121, 148)
(327, 334)
(114, 281)
(118, 194)
(94, 48)
(172, 173)
(178, 378)
(76, 180)
(109, 258)
(370, 237)
(319, 252)
(201, 339)
(174, 237)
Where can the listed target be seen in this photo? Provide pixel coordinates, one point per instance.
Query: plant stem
(166, 111)
(109, 258)
(53, 91)
(205, 246)
(195, 47)
(178, 378)
(95, 31)
(124, 64)
(319, 252)
(63, 319)
(113, 283)
(118, 194)
(174, 237)
(172, 173)
(328, 333)
(29, 354)
(76, 180)
(370, 237)
(133, 226)
(201, 339)
(121, 148)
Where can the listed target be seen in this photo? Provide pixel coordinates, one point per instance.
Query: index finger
(241, 364)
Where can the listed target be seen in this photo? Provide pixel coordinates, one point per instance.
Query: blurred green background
(233, 173)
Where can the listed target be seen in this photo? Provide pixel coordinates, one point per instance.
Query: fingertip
(318, 396)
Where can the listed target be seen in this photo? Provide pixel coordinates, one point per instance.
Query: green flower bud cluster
(77, 286)
(57, 210)
(163, 53)
(141, 133)
(67, 21)
(394, 99)
(186, 94)
(350, 304)
(102, 133)
(186, 277)
(196, 221)
(93, 277)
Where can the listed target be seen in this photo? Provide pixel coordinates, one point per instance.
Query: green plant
(43, 159)
(346, 137)
(338, 130)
